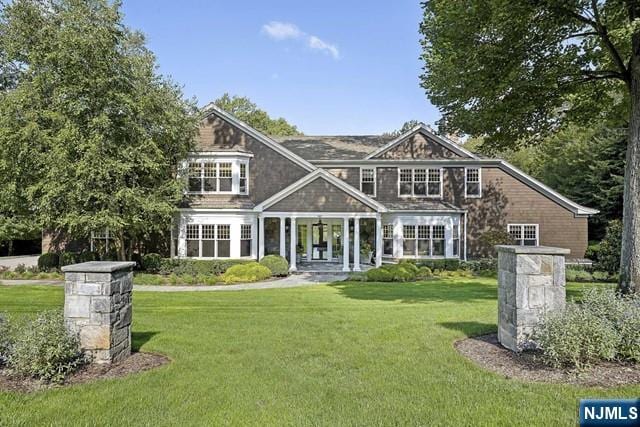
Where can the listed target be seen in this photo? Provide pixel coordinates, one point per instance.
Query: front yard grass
(341, 354)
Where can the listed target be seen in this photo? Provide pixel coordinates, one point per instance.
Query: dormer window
(218, 176)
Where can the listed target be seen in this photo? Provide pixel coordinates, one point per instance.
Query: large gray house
(352, 200)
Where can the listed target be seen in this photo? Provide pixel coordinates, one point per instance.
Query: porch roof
(421, 205)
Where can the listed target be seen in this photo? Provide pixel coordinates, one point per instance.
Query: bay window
(423, 240)
(228, 176)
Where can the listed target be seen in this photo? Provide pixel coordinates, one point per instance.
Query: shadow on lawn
(419, 292)
(138, 339)
(470, 329)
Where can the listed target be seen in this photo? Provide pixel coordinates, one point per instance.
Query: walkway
(293, 281)
(11, 262)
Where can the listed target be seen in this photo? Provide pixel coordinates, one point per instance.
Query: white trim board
(320, 174)
(450, 145)
(211, 109)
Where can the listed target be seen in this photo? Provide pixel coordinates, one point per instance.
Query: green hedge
(152, 262)
(277, 264)
(195, 267)
(48, 261)
(441, 264)
(247, 272)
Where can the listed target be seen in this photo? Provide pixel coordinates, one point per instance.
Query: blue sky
(329, 67)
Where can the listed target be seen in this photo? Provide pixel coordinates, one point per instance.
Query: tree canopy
(245, 110)
(406, 126)
(95, 134)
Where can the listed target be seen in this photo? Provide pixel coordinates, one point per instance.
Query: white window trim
(472, 196)
(537, 226)
(422, 196)
(430, 239)
(375, 180)
(215, 241)
(235, 174)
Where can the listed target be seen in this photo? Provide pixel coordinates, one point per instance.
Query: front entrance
(319, 250)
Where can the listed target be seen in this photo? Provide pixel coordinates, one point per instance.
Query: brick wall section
(420, 147)
(320, 196)
(269, 171)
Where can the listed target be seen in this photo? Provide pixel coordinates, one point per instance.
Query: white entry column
(379, 245)
(345, 244)
(283, 238)
(294, 243)
(261, 237)
(356, 244)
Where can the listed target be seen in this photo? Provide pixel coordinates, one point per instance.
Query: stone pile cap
(99, 267)
(534, 250)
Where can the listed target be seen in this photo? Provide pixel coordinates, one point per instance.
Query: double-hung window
(524, 234)
(456, 240)
(219, 176)
(245, 239)
(472, 182)
(387, 239)
(208, 240)
(423, 240)
(420, 182)
(368, 181)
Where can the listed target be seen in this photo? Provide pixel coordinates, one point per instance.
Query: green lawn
(342, 354)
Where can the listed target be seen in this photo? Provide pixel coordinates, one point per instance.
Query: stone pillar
(97, 307)
(531, 281)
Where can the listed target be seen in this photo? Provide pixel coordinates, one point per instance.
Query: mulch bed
(137, 362)
(486, 351)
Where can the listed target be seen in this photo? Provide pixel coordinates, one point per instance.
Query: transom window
(208, 240)
(524, 234)
(368, 181)
(423, 240)
(218, 176)
(420, 182)
(472, 183)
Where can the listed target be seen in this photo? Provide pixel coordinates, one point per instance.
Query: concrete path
(12, 262)
(293, 281)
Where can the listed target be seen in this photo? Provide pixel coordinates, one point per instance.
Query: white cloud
(277, 30)
(315, 43)
(281, 30)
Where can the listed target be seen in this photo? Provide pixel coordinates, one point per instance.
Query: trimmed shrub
(277, 264)
(6, 338)
(49, 261)
(482, 266)
(194, 267)
(379, 275)
(601, 276)
(44, 349)
(409, 265)
(68, 258)
(248, 272)
(608, 256)
(404, 272)
(424, 273)
(151, 262)
(578, 275)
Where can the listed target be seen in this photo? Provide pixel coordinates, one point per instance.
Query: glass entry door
(319, 242)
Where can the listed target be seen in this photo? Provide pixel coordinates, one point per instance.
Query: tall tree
(517, 71)
(406, 126)
(100, 132)
(245, 110)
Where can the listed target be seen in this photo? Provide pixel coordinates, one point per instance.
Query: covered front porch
(321, 241)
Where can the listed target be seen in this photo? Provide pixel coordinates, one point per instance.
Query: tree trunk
(630, 256)
(122, 256)
(10, 248)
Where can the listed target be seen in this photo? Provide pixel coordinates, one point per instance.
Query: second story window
(472, 184)
(368, 181)
(420, 182)
(214, 176)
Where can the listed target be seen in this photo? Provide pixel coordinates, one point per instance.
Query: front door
(319, 242)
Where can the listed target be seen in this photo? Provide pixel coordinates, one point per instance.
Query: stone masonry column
(531, 281)
(97, 307)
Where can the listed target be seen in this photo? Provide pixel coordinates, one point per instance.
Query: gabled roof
(322, 174)
(450, 145)
(211, 109)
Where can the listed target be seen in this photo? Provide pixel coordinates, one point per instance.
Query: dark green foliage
(441, 264)
(603, 326)
(424, 273)
(151, 263)
(489, 239)
(277, 264)
(578, 275)
(44, 349)
(194, 267)
(482, 266)
(247, 272)
(608, 254)
(87, 256)
(379, 275)
(49, 261)
(68, 258)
